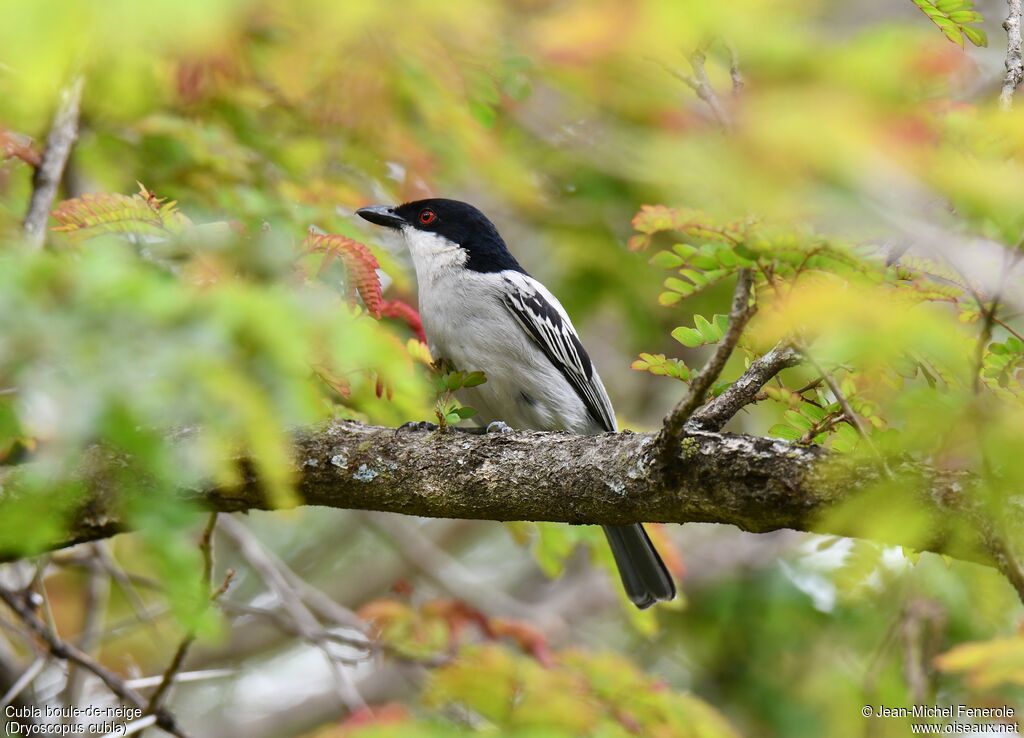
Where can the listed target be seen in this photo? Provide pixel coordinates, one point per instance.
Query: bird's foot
(417, 426)
(497, 426)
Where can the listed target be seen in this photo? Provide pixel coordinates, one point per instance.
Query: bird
(481, 311)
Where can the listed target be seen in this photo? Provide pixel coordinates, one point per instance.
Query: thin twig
(132, 728)
(48, 174)
(734, 70)
(1014, 62)
(447, 572)
(919, 622)
(1003, 554)
(126, 582)
(813, 384)
(851, 416)
(58, 648)
(740, 313)
(698, 82)
(23, 681)
(702, 86)
(1010, 260)
(206, 580)
(716, 413)
(270, 569)
(984, 336)
(96, 597)
(822, 426)
(1016, 334)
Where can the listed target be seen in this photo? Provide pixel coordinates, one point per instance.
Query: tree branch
(19, 604)
(1014, 62)
(715, 414)
(55, 157)
(701, 85)
(739, 314)
(758, 484)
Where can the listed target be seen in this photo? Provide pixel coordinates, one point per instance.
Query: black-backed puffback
(481, 311)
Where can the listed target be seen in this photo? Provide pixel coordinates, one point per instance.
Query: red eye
(427, 217)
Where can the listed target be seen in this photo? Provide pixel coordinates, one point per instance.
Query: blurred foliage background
(854, 153)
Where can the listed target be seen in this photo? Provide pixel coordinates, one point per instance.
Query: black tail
(643, 572)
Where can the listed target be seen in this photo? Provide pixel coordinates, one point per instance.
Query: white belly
(467, 323)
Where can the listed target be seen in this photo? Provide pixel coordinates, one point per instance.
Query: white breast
(468, 324)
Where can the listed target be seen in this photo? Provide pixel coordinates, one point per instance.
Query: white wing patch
(544, 319)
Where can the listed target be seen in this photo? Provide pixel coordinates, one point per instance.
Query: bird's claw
(417, 426)
(498, 426)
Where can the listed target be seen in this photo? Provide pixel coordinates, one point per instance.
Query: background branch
(1014, 62)
(18, 602)
(48, 174)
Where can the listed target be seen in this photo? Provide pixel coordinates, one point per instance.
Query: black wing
(549, 326)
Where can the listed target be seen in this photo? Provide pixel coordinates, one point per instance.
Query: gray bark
(757, 484)
(1014, 62)
(48, 174)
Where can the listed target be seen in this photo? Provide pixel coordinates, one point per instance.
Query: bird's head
(437, 227)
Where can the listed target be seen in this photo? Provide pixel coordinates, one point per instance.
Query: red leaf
(392, 712)
(401, 311)
(359, 262)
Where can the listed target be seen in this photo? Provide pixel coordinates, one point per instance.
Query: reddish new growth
(360, 266)
(399, 310)
(19, 147)
(143, 214)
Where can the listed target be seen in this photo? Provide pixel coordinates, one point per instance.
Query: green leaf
(474, 379)
(702, 261)
(953, 34)
(815, 413)
(785, 432)
(696, 277)
(666, 260)
(797, 420)
(965, 16)
(677, 285)
(688, 337)
(976, 36)
(706, 330)
(726, 257)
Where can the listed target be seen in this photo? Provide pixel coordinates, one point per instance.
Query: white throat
(433, 256)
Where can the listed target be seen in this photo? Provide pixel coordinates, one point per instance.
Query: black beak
(382, 215)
